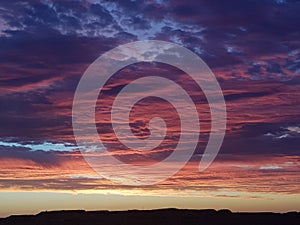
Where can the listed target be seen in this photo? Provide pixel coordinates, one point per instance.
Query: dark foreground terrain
(154, 217)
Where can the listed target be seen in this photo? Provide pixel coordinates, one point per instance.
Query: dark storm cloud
(250, 28)
(263, 138)
(230, 13)
(247, 95)
(266, 17)
(21, 153)
(38, 77)
(46, 47)
(66, 17)
(253, 28)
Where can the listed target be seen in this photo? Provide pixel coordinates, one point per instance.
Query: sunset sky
(252, 47)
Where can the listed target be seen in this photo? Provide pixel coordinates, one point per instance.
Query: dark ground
(154, 217)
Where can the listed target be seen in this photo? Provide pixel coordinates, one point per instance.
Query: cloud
(26, 156)
(67, 18)
(271, 167)
(262, 175)
(294, 129)
(283, 136)
(45, 146)
(251, 46)
(224, 37)
(290, 132)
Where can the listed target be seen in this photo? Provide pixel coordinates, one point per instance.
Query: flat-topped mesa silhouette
(153, 217)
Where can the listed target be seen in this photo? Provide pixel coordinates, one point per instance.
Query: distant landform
(153, 217)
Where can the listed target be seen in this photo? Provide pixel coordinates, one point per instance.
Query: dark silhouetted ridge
(153, 217)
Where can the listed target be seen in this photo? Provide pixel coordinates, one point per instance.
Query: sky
(253, 49)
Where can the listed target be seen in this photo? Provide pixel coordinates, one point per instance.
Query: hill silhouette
(153, 217)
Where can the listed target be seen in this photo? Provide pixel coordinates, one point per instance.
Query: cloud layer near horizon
(253, 48)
